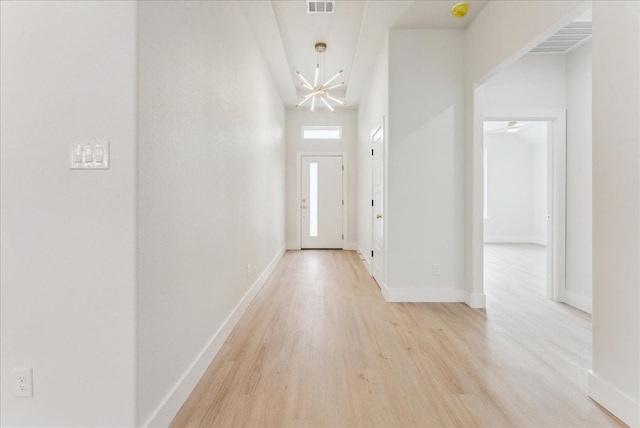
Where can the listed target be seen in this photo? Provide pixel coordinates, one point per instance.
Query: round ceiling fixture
(460, 9)
(512, 127)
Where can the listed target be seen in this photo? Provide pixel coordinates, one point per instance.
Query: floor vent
(320, 6)
(566, 39)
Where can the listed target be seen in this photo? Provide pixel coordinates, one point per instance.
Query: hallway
(320, 347)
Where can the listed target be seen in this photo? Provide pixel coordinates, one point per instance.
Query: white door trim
(345, 180)
(557, 193)
(382, 283)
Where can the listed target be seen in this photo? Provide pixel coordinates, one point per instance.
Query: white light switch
(76, 153)
(99, 154)
(90, 154)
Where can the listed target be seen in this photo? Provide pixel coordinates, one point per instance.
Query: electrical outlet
(23, 382)
(435, 270)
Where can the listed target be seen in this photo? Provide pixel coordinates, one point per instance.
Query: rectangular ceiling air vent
(314, 6)
(565, 40)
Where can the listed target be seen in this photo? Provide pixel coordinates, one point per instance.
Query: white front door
(321, 201)
(377, 211)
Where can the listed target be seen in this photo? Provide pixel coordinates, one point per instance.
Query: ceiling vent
(565, 40)
(320, 6)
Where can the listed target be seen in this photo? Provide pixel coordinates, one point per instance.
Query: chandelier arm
(306, 86)
(315, 80)
(327, 104)
(311, 94)
(303, 79)
(303, 101)
(307, 98)
(333, 78)
(334, 99)
(313, 103)
(334, 86)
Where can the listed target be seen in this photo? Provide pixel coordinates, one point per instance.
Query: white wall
(295, 120)
(211, 190)
(579, 281)
(516, 187)
(372, 113)
(534, 82)
(615, 379)
(425, 165)
(68, 72)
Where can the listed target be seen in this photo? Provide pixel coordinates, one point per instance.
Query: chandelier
(319, 93)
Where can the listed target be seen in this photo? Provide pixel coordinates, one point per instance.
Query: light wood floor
(320, 347)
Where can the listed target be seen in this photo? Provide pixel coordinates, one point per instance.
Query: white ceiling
(354, 34)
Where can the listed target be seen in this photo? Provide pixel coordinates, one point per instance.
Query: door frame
(345, 195)
(556, 192)
(382, 282)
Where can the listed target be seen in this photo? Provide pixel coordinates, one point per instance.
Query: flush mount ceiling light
(319, 93)
(513, 127)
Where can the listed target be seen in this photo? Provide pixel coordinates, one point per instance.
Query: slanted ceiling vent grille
(320, 6)
(566, 39)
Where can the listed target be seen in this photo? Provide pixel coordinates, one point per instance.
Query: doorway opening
(517, 227)
(534, 214)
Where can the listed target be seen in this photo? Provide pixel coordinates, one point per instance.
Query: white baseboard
(476, 300)
(611, 398)
(433, 295)
(584, 303)
(350, 246)
(540, 240)
(170, 406)
(515, 239)
(365, 259)
(292, 246)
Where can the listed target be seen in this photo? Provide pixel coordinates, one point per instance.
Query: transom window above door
(322, 132)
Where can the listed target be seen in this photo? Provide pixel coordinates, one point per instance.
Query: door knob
(379, 216)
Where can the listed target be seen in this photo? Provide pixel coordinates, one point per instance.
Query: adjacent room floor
(319, 346)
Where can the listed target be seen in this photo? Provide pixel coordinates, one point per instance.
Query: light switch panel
(89, 154)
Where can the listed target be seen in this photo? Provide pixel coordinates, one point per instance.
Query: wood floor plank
(319, 347)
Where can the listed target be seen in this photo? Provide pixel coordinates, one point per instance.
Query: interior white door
(321, 201)
(378, 204)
